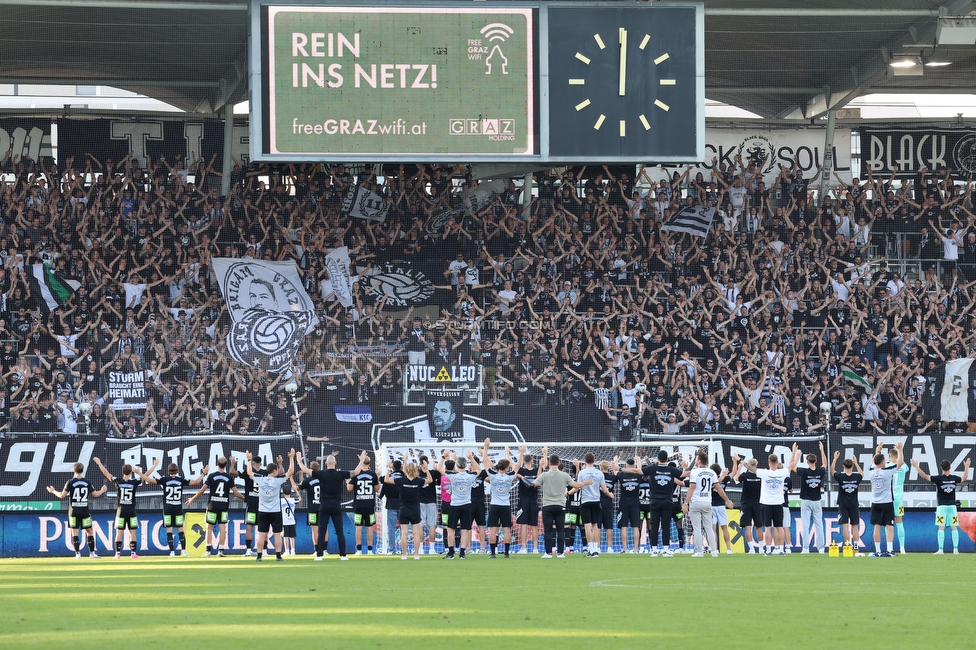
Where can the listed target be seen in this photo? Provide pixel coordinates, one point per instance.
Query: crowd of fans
(577, 297)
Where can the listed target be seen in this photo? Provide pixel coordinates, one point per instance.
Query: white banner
(126, 390)
(337, 264)
(270, 310)
(775, 146)
(481, 195)
(364, 204)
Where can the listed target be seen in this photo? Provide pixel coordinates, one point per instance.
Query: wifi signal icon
(497, 32)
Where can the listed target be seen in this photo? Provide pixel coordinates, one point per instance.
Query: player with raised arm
(771, 497)
(628, 509)
(125, 514)
(848, 507)
(173, 517)
(269, 502)
(945, 511)
(364, 488)
(460, 515)
(661, 478)
(898, 497)
(698, 504)
(410, 483)
(608, 517)
(79, 491)
(220, 486)
(333, 483)
(882, 498)
(527, 512)
(813, 481)
(428, 504)
(501, 478)
(312, 488)
(750, 509)
(590, 506)
(251, 498)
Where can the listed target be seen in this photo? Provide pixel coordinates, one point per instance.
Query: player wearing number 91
(698, 504)
(173, 517)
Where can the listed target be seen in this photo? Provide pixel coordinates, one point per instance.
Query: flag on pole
(337, 264)
(849, 374)
(950, 392)
(694, 220)
(50, 290)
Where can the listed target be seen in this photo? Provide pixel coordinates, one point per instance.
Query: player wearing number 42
(79, 491)
(945, 512)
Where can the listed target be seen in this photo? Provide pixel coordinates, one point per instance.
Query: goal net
(527, 538)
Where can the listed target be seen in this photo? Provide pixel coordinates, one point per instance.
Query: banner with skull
(269, 308)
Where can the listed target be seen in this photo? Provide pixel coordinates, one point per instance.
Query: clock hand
(622, 37)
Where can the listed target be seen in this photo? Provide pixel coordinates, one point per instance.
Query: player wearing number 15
(698, 504)
(79, 491)
(363, 487)
(945, 512)
(125, 515)
(173, 517)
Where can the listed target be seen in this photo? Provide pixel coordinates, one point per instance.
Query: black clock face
(622, 83)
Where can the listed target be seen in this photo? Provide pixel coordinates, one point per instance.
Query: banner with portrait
(270, 310)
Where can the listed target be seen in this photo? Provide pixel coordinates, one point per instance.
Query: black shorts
(772, 515)
(312, 518)
(79, 518)
(499, 516)
(269, 521)
(459, 517)
(645, 511)
(848, 514)
(126, 518)
(289, 530)
(573, 516)
(591, 512)
(750, 514)
(216, 516)
(410, 515)
(364, 517)
(607, 518)
(629, 516)
(479, 512)
(173, 516)
(527, 513)
(882, 514)
(251, 514)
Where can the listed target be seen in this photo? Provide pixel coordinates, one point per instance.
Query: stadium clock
(623, 82)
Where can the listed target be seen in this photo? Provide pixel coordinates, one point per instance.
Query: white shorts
(720, 516)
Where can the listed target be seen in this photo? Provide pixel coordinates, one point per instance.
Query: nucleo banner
(399, 80)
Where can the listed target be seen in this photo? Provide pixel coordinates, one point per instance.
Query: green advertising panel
(399, 81)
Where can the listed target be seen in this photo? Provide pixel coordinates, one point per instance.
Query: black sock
(169, 540)
(493, 548)
(118, 547)
(209, 548)
(76, 542)
(248, 542)
(278, 554)
(369, 548)
(91, 543)
(507, 547)
(260, 553)
(132, 546)
(359, 547)
(182, 540)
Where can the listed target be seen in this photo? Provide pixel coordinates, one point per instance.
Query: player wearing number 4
(945, 513)
(698, 504)
(125, 515)
(173, 517)
(79, 491)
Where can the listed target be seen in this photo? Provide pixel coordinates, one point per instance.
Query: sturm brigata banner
(270, 310)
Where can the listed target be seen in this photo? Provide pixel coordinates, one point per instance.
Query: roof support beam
(115, 83)
(823, 13)
(958, 8)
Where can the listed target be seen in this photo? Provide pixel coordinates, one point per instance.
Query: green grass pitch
(632, 601)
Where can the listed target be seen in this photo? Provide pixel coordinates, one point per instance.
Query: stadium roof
(776, 58)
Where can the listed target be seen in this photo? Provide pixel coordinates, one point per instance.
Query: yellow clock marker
(599, 41)
(667, 82)
(647, 125)
(647, 38)
(582, 58)
(660, 104)
(599, 121)
(583, 104)
(658, 61)
(623, 128)
(577, 82)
